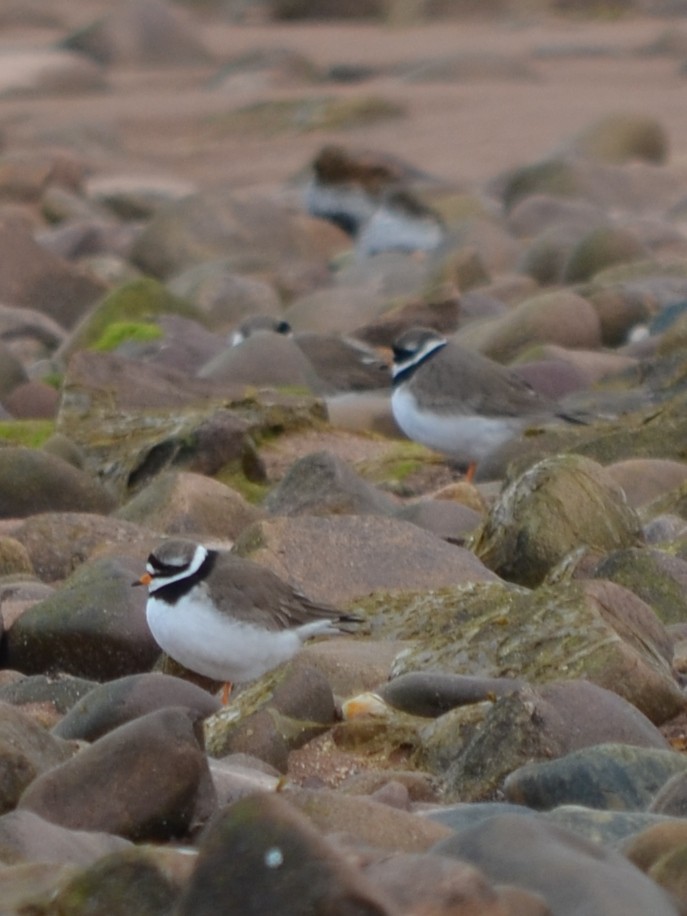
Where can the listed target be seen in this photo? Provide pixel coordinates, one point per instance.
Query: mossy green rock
(648, 432)
(189, 505)
(131, 422)
(593, 629)
(133, 303)
(34, 481)
(31, 433)
(616, 777)
(14, 558)
(474, 751)
(559, 317)
(657, 578)
(125, 882)
(673, 502)
(558, 506)
(600, 248)
(554, 176)
(121, 332)
(637, 272)
(670, 870)
(278, 116)
(93, 626)
(618, 138)
(279, 712)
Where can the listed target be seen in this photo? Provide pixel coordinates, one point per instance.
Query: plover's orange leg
(470, 472)
(226, 692)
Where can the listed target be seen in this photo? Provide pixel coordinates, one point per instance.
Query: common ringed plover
(457, 401)
(227, 617)
(341, 363)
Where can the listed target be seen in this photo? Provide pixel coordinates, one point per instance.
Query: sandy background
(156, 121)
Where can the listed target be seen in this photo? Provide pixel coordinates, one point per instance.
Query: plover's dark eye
(283, 327)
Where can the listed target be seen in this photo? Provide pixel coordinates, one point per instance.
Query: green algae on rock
(14, 558)
(135, 301)
(31, 433)
(120, 332)
(130, 427)
(280, 711)
(127, 881)
(657, 577)
(556, 507)
(552, 176)
(581, 629)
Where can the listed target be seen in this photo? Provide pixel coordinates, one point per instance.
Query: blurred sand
(158, 121)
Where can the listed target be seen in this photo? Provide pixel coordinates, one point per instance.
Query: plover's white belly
(213, 644)
(391, 229)
(466, 437)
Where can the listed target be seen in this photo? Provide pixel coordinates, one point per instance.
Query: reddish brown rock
(31, 276)
(26, 750)
(26, 837)
(317, 554)
(146, 780)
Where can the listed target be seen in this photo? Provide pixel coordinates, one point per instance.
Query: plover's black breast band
(404, 374)
(176, 590)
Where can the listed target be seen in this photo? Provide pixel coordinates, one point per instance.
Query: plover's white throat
(226, 617)
(457, 401)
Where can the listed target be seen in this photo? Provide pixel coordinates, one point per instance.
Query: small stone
(107, 706)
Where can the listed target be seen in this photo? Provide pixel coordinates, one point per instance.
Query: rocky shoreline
(507, 733)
